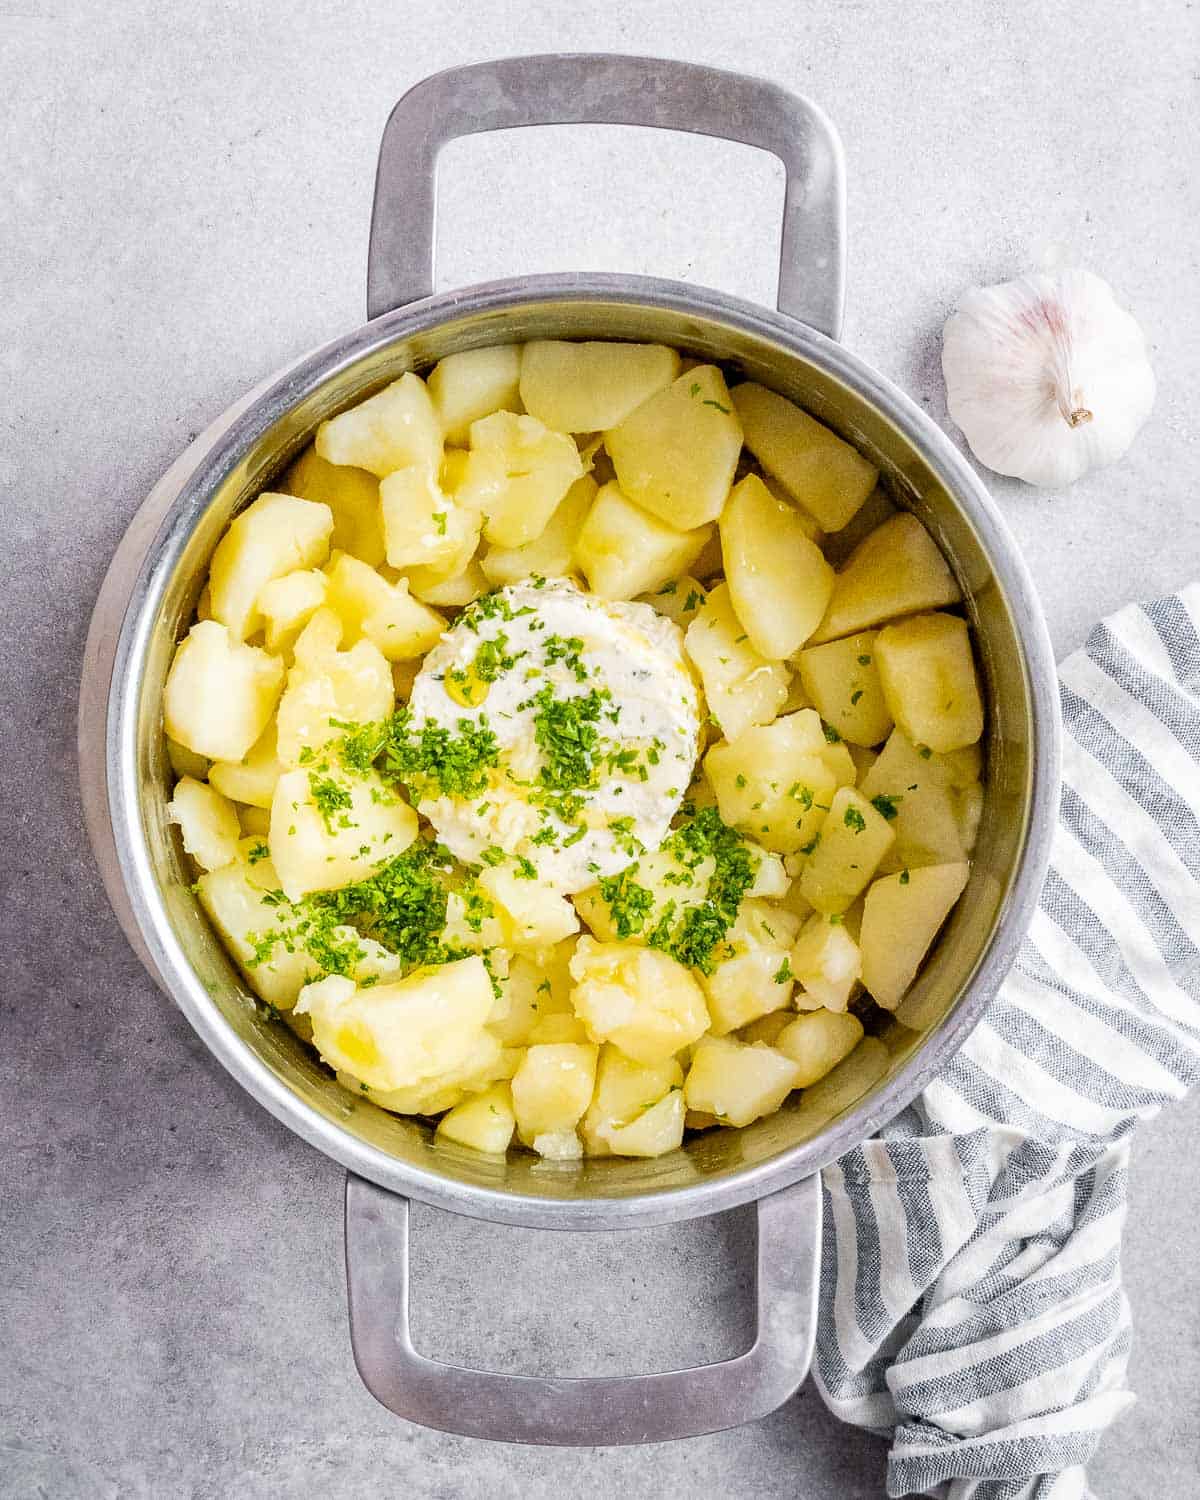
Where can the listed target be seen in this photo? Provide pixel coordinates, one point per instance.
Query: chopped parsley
(717, 404)
(332, 800)
(904, 877)
(885, 804)
(439, 520)
(832, 737)
(855, 820)
(783, 973)
(256, 852)
(566, 734)
(855, 696)
(567, 650)
(629, 904)
(864, 660)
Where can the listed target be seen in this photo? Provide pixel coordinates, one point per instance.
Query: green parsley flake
(885, 804)
(855, 820)
(331, 800)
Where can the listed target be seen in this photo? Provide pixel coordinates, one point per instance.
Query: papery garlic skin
(1046, 376)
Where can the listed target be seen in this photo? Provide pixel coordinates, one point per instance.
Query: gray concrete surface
(186, 202)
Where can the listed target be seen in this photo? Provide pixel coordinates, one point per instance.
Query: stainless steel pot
(150, 593)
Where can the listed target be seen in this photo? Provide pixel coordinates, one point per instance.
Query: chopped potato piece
(854, 837)
(680, 599)
(329, 830)
(485, 1122)
(752, 975)
(901, 917)
(527, 996)
(549, 555)
(766, 1028)
(778, 580)
(185, 762)
(558, 1145)
(895, 570)
(384, 613)
(254, 820)
(242, 913)
(774, 782)
(639, 999)
(676, 454)
(353, 497)
(287, 604)
(219, 693)
(532, 916)
(327, 684)
(742, 687)
(818, 1041)
(915, 787)
(558, 1028)
(404, 1033)
(737, 1083)
(451, 591)
(553, 1087)
(485, 1063)
(842, 682)
(517, 473)
(820, 471)
(826, 964)
(928, 676)
(208, 823)
(657, 1130)
(624, 1090)
(423, 526)
(472, 384)
(585, 387)
(391, 430)
(623, 550)
(274, 535)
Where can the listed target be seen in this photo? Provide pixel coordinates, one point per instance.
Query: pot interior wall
(909, 481)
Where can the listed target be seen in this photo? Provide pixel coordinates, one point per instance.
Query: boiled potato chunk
(423, 526)
(676, 454)
(657, 1130)
(901, 917)
(623, 550)
(779, 581)
(895, 570)
(208, 823)
(553, 1087)
(680, 599)
(818, 1041)
(842, 681)
(742, 688)
(624, 1091)
(327, 685)
(251, 779)
(826, 963)
(405, 1033)
(452, 591)
(384, 613)
(329, 830)
(485, 1123)
(820, 472)
(752, 975)
(551, 554)
(738, 1083)
(274, 535)
(287, 604)
(586, 387)
(396, 427)
(917, 789)
(517, 473)
(855, 836)
(244, 914)
(185, 762)
(531, 915)
(353, 497)
(219, 693)
(472, 384)
(639, 999)
(774, 782)
(254, 820)
(767, 1027)
(485, 1063)
(928, 676)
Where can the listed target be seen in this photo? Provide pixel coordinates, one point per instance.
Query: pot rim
(179, 498)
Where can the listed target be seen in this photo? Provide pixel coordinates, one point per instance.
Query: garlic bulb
(1046, 376)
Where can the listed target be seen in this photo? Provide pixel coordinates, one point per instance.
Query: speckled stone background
(186, 199)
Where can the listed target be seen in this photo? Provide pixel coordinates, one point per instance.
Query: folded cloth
(971, 1301)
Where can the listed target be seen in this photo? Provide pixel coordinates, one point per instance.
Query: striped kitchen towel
(971, 1305)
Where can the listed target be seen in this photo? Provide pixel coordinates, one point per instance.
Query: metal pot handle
(607, 89)
(591, 1411)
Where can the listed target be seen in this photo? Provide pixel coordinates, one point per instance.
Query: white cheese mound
(556, 661)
